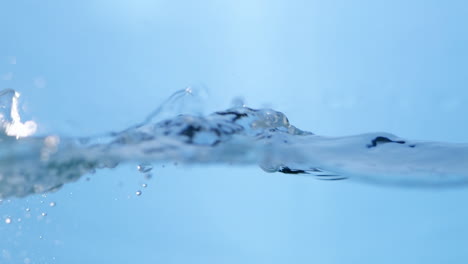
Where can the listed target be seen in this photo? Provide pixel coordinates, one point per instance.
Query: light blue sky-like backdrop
(333, 67)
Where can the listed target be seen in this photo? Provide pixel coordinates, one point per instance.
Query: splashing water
(10, 118)
(239, 135)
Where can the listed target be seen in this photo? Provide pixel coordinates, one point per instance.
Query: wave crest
(240, 135)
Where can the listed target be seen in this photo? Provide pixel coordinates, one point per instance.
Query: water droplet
(138, 193)
(8, 220)
(52, 204)
(144, 185)
(27, 209)
(44, 214)
(144, 167)
(238, 102)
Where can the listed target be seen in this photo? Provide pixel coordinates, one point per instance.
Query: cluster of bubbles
(37, 209)
(8, 219)
(146, 170)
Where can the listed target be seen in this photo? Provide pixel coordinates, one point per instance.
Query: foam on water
(239, 135)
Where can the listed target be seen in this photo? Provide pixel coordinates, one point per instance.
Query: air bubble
(138, 193)
(144, 185)
(44, 214)
(27, 209)
(144, 167)
(7, 220)
(52, 204)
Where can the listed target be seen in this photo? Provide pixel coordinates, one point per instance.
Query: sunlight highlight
(15, 127)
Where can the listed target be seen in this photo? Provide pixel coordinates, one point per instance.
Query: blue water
(334, 68)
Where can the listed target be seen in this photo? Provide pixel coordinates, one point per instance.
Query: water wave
(239, 135)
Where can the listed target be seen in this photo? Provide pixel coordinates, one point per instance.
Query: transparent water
(335, 69)
(236, 136)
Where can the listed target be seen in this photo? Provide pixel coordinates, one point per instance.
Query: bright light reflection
(16, 128)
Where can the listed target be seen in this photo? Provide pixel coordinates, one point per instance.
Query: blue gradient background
(333, 67)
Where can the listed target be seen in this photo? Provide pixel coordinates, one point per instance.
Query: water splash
(238, 135)
(10, 119)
